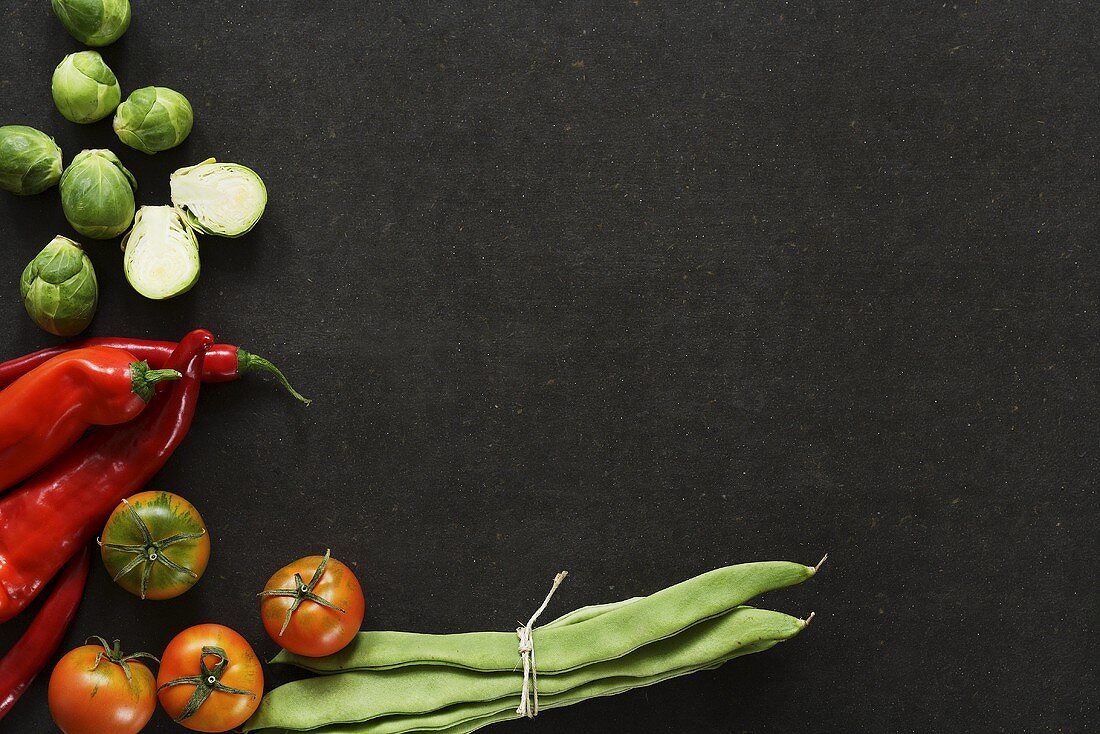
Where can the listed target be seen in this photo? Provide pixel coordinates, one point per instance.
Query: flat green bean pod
(604, 637)
(431, 693)
(591, 612)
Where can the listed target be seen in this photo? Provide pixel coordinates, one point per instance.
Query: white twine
(529, 697)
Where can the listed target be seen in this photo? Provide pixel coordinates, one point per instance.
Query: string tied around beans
(529, 696)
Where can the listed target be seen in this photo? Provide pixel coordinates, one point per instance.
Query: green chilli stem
(304, 592)
(143, 379)
(248, 362)
(208, 681)
(150, 552)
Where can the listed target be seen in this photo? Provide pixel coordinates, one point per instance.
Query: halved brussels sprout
(59, 288)
(97, 194)
(94, 22)
(161, 253)
(30, 161)
(84, 88)
(153, 119)
(223, 199)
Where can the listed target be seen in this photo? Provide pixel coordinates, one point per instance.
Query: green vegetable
(97, 194)
(153, 119)
(59, 288)
(161, 257)
(94, 22)
(84, 87)
(30, 161)
(566, 647)
(395, 683)
(423, 697)
(223, 199)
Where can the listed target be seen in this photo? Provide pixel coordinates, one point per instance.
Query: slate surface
(638, 289)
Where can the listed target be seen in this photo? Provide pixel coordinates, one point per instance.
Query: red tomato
(216, 662)
(90, 692)
(316, 618)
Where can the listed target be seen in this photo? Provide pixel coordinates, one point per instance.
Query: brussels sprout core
(97, 194)
(224, 199)
(30, 161)
(161, 253)
(94, 22)
(59, 288)
(84, 88)
(153, 119)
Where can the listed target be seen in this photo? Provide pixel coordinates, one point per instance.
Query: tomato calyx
(208, 681)
(304, 592)
(113, 654)
(150, 552)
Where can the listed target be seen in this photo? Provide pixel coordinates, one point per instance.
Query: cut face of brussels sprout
(153, 119)
(223, 199)
(59, 288)
(30, 161)
(161, 253)
(84, 88)
(97, 194)
(94, 22)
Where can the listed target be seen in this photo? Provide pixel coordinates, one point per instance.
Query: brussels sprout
(153, 119)
(59, 288)
(94, 22)
(30, 161)
(97, 194)
(223, 199)
(162, 254)
(84, 88)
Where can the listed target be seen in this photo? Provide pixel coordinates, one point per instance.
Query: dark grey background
(639, 289)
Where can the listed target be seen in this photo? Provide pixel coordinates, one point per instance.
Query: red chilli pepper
(224, 362)
(34, 649)
(45, 411)
(59, 509)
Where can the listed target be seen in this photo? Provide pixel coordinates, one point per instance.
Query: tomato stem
(304, 592)
(208, 681)
(113, 654)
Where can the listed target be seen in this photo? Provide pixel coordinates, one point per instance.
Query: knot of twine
(529, 696)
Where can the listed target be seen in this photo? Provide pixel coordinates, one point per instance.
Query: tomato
(211, 670)
(96, 689)
(316, 618)
(155, 545)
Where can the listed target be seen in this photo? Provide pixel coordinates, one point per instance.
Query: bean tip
(807, 620)
(819, 564)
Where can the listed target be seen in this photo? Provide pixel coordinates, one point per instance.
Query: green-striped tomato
(155, 545)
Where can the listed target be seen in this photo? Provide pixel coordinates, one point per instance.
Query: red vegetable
(224, 362)
(46, 410)
(61, 508)
(37, 645)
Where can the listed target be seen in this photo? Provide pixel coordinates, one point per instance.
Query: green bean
(605, 636)
(431, 694)
(591, 612)
(468, 717)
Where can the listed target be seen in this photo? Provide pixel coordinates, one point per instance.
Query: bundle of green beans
(399, 682)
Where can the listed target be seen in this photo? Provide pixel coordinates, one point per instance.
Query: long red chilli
(224, 362)
(25, 660)
(59, 509)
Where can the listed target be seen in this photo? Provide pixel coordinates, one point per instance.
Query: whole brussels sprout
(153, 119)
(97, 194)
(84, 88)
(94, 22)
(59, 288)
(30, 161)
(223, 199)
(161, 257)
